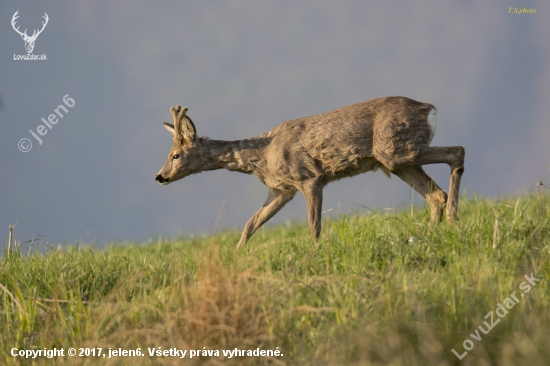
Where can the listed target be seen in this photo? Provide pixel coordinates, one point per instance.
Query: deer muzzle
(160, 179)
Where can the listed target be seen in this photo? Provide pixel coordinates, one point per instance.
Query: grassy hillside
(380, 288)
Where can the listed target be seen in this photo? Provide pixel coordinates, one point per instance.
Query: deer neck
(245, 156)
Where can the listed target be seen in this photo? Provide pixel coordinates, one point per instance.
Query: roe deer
(392, 134)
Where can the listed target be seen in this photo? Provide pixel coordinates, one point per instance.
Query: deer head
(29, 40)
(183, 159)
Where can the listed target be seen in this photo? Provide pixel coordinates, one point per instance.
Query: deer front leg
(313, 193)
(276, 199)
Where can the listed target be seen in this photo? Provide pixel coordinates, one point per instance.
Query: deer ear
(183, 126)
(170, 128)
(187, 128)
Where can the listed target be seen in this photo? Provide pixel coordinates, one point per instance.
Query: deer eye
(176, 156)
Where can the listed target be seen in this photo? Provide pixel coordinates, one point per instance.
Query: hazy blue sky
(243, 67)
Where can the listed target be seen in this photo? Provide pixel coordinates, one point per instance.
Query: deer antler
(24, 34)
(13, 19)
(35, 35)
(177, 115)
(183, 125)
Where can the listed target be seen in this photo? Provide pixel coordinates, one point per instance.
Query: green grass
(380, 288)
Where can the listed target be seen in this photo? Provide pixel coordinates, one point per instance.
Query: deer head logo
(29, 40)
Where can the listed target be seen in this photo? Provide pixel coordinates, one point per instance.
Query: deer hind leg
(421, 182)
(276, 199)
(453, 156)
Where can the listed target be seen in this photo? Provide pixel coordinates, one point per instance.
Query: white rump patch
(432, 121)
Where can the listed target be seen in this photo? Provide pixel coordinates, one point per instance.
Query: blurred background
(243, 67)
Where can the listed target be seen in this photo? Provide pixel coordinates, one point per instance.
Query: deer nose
(159, 178)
